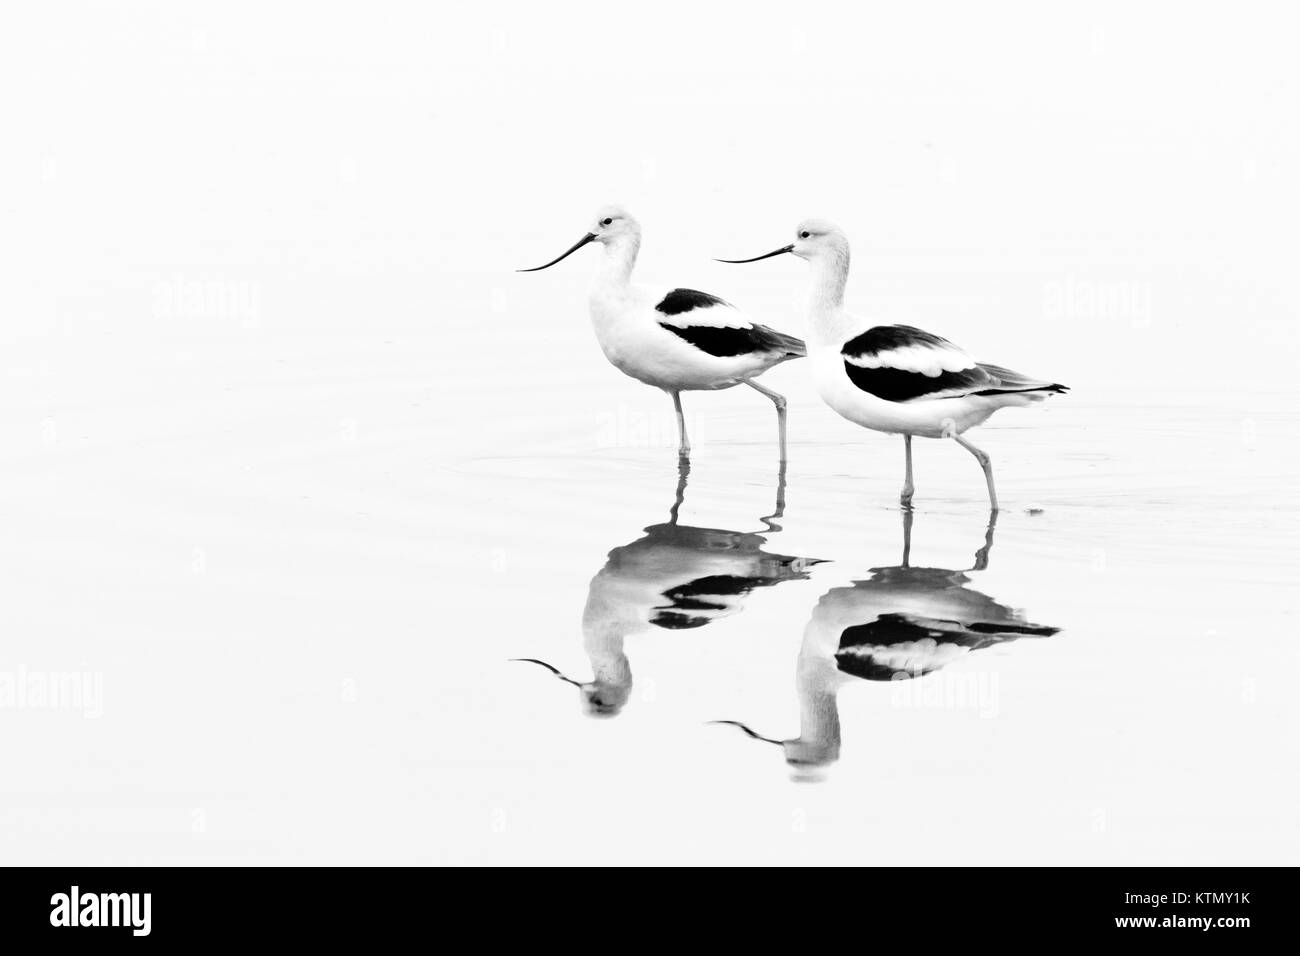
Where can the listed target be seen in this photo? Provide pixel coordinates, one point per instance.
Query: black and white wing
(899, 363)
(899, 645)
(718, 328)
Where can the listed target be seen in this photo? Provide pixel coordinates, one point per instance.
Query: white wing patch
(712, 317)
(925, 654)
(928, 360)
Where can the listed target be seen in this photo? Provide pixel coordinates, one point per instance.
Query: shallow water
(301, 574)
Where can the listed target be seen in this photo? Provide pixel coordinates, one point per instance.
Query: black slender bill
(766, 255)
(574, 248)
(556, 672)
(736, 723)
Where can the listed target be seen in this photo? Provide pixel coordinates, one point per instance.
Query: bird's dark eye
(804, 235)
(606, 222)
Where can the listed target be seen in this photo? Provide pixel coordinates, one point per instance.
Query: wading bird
(896, 378)
(900, 623)
(676, 577)
(678, 340)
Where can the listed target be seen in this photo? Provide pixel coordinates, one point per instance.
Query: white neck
(614, 271)
(826, 316)
(609, 665)
(819, 715)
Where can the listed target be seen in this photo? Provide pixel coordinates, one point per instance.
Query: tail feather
(1009, 381)
(780, 342)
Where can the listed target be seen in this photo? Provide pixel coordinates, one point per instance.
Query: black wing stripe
(886, 338)
(687, 601)
(898, 385)
(726, 343)
(687, 300)
(854, 655)
(904, 385)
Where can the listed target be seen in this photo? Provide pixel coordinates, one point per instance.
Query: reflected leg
(986, 463)
(982, 555)
(779, 401)
(683, 473)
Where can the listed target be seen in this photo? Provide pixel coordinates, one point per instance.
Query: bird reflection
(900, 623)
(675, 577)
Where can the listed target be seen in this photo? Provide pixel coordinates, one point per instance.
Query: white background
(292, 461)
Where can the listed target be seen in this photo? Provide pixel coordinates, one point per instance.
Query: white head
(817, 238)
(807, 758)
(612, 225)
(814, 240)
(604, 695)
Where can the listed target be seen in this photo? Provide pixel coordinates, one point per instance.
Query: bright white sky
(156, 136)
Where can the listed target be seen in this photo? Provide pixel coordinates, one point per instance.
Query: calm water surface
(1100, 675)
(302, 573)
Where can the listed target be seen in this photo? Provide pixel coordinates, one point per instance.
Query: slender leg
(905, 499)
(780, 491)
(779, 401)
(986, 463)
(907, 537)
(684, 443)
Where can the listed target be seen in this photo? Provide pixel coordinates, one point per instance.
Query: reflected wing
(898, 646)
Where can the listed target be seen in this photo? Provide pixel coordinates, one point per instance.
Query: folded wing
(899, 363)
(716, 327)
